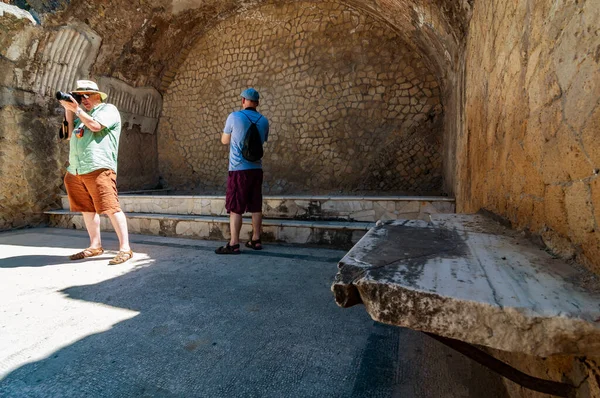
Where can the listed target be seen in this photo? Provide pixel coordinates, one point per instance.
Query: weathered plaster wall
(31, 158)
(138, 159)
(145, 42)
(353, 108)
(35, 63)
(30, 167)
(138, 151)
(530, 147)
(532, 151)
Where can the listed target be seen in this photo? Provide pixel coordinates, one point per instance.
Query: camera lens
(62, 96)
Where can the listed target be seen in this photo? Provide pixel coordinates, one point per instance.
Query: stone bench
(466, 277)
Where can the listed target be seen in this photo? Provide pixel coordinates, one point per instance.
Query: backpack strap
(251, 119)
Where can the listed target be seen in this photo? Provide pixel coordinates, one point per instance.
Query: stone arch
(436, 32)
(387, 138)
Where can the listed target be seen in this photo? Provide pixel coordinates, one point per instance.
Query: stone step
(341, 208)
(338, 233)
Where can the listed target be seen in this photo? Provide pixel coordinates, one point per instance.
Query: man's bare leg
(119, 223)
(235, 226)
(256, 225)
(92, 224)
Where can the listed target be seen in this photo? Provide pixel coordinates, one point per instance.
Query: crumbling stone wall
(353, 108)
(533, 121)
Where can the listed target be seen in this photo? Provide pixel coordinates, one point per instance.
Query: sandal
(227, 249)
(121, 257)
(85, 253)
(254, 244)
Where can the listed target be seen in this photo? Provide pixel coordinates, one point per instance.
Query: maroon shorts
(244, 191)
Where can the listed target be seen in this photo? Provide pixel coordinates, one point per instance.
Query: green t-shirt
(98, 150)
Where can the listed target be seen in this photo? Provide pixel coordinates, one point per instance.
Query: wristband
(78, 111)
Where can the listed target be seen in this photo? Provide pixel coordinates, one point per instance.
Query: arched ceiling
(143, 39)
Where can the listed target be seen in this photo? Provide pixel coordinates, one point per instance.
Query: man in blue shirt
(244, 183)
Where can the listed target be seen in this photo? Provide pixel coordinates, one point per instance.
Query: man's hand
(84, 117)
(70, 105)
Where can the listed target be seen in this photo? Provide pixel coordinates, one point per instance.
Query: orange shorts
(95, 192)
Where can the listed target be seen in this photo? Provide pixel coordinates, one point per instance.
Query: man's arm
(228, 130)
(89, 122)
(72, 109)
(225, 138)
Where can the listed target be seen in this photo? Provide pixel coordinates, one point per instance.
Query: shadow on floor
(259, 326)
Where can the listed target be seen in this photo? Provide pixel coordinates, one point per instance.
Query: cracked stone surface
(467, 278)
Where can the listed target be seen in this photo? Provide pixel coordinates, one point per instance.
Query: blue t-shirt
(237, 124)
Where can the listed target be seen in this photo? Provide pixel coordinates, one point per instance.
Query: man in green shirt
(91, 179)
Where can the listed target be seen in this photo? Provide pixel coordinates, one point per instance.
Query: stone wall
(531, 150)
(533, 120)
(353, 108)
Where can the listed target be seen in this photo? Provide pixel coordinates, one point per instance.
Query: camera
(67, 96)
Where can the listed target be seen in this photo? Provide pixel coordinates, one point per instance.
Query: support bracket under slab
(533, 383)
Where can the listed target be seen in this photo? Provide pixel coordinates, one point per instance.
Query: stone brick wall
(353, 108)
(533, 120)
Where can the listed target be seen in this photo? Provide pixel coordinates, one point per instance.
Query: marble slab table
(468, 278)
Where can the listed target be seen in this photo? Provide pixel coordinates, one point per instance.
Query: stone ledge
(467, 278)
(292, 207)
(299, 197)
(363, 226)
(339, 234)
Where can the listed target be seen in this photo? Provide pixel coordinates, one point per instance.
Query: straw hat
(88, 86)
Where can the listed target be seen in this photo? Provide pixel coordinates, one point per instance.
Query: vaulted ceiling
(142, 39)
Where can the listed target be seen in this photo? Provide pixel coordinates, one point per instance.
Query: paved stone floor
(179, 321)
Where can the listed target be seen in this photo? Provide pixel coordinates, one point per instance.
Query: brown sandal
(228, 249)
(121, 257)
(254, 244)
(85, 253)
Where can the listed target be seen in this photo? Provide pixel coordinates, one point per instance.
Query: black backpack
(252, 148)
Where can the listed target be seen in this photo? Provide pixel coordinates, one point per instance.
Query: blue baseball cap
(250, 94)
